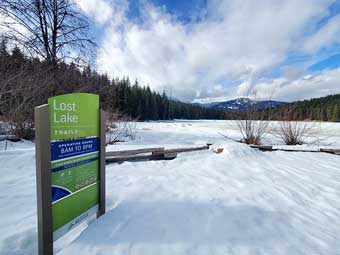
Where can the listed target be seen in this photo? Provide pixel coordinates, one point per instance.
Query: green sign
(74, 123)
(74, 115)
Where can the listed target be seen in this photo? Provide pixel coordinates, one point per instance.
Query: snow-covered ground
(241, 201)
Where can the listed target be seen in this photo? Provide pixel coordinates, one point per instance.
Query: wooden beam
(134, 158)
(158, 153)
(263, 147)
(333, 151)
(179, 150)
(133, 152)
(102, 137)
(270, 148)
(43, 179)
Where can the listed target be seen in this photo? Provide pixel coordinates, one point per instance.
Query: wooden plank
(335, 151)
(133, 152)
(43, 179)
(288, 150)
(118, 159)
(270, 148)
(134, 158)
(170, 155)
(158, 153)
(263, 147)
(179, 150)
(102, 137)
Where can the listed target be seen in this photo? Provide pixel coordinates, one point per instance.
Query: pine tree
(336, 113)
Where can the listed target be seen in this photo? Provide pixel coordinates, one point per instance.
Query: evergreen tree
(322, 109)
(336, 113)
(33, 83)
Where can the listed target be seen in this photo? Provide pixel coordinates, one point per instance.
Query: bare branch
(47, 27)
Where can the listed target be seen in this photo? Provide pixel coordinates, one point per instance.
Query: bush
(23, 130)
(119, 126)
(297, 133)
(252, 131)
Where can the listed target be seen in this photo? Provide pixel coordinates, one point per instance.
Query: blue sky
(184, 10)
(329, 63)
(214, 50)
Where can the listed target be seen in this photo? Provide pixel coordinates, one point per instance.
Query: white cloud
(8, 29)
(236, 41)
(308, 86)
(217, 93)
(284, 89)
(100, 10)
(327, 35)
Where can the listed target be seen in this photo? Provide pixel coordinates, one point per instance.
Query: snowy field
(241, 201)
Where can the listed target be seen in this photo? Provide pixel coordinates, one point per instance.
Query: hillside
(323, 109)
(242, 104)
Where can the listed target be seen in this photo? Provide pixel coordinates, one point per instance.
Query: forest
(53, 57)
(26, 82)
(318, 109)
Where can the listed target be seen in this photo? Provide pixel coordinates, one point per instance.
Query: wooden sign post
(70, 163)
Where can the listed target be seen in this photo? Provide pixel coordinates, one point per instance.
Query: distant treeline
(321, 109)
(141, 103)
(26, 82)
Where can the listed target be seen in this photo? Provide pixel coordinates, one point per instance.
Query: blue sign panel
(71, 148)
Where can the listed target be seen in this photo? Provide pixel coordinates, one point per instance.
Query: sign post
(70, 159)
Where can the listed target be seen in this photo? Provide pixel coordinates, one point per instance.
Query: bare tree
(23, 85)
(252, 130)
(17, 102)
(119, 126)
(254, 125)
(51, 29)
(296, 132)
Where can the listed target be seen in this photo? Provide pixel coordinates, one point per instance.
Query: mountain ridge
(242, 104)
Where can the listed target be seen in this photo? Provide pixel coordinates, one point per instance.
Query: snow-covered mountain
(242, 104)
